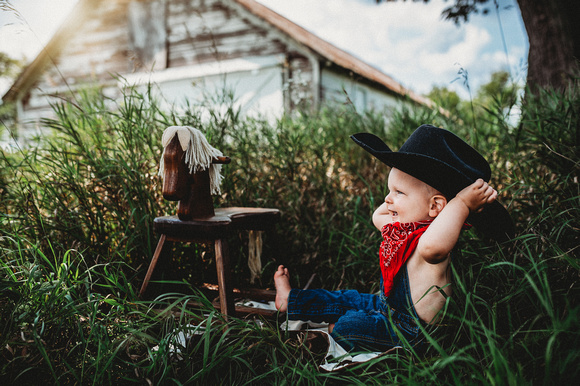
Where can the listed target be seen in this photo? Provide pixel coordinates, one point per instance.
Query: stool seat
(215, 227)
(212, 229)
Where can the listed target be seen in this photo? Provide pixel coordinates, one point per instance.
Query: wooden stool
(197, 220)
(211, 229)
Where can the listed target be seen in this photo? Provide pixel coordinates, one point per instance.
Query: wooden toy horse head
(190, 168)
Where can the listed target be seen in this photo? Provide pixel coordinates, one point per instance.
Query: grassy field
(76, 237)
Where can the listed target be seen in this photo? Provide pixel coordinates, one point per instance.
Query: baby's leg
(320, 305)
(282, 282)
(362, 330)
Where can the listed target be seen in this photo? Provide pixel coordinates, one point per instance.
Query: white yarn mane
(198, 153)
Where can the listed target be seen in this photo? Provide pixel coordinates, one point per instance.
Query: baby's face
(408, 199)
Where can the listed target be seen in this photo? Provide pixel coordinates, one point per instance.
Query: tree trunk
(554, 37)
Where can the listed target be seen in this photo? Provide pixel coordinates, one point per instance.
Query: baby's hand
(477, 195)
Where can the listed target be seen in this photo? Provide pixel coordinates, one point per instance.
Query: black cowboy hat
(444, 161)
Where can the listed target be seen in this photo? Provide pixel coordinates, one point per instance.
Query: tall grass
(76, 237)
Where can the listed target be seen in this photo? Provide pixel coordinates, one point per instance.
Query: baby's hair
(432, 191)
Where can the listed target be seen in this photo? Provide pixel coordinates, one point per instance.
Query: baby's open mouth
(394, 213)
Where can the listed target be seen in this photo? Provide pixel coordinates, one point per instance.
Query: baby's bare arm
(440, 238)
(381, 216)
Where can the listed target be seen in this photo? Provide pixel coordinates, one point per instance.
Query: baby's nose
(388, 197)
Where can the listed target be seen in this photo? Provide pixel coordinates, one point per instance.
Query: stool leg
(152, 265)
(222, 259)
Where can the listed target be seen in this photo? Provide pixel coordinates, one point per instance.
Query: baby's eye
(399, 192)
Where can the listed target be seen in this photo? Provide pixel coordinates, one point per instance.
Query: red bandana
(399, 243)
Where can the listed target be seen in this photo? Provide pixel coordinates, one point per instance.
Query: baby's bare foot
(282, 282)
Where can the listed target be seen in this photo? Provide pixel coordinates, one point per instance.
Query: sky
(407, 40)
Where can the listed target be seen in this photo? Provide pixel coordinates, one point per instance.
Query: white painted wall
(362, 96)
(255, 82)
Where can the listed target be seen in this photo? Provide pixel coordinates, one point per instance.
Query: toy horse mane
(198, 153)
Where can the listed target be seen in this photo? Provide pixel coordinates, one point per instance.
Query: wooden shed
(191, 48)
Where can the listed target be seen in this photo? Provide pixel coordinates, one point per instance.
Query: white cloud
(465, 52)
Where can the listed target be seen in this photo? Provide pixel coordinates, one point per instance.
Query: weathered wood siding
(202, 31)
(98, 49)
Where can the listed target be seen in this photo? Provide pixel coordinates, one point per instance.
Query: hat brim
(494, 221)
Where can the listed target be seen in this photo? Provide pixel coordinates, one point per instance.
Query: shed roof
(321, 47)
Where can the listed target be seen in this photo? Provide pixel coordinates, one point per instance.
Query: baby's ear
(436, 205)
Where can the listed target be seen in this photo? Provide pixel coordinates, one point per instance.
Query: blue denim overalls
(362, 321)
